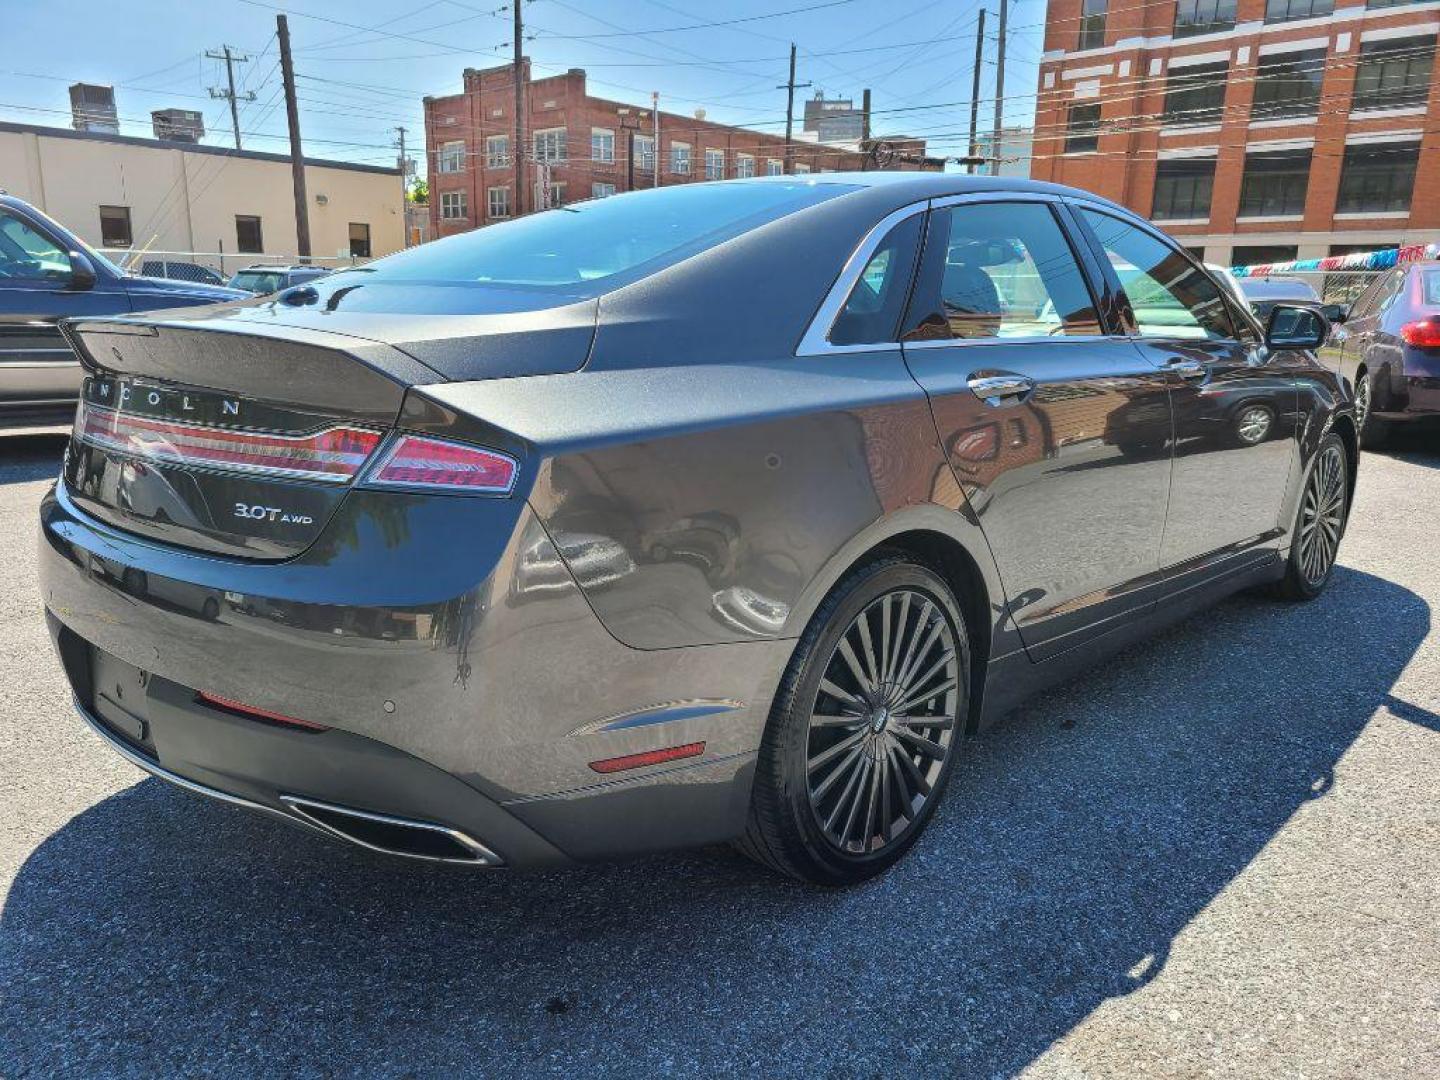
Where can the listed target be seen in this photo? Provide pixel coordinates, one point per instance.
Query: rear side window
(601, 238)
(1170, 297)
(1000, 270)
(1431, 284)
(872, 312)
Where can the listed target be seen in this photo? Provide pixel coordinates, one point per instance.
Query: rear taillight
(1423, 333)
(416, 461)
(335, 455)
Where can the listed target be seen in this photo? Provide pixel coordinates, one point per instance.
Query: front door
(1236, 409)
(1058, 431)
(37, 369)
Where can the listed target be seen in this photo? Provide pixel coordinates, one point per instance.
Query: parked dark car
(179, 270)
(715, 512)
(48, 273)
(272, 279)
(1388, 351)
(1263, 293)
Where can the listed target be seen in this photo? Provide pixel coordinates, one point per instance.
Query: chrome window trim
(1031, 339)
(816, 341)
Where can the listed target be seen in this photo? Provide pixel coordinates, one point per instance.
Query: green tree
(419, 190)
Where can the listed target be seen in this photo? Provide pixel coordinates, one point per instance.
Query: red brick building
(1252, 130)
(581, 147)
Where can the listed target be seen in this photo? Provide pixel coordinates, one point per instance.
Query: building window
(714, 164)
(602, 145)
(1092, 24)
(774, 168)
(744, 164)
(801, 168)
(550, 145)
(452, 157)
(497, 202)
(1274, 184)
(359, 240)
(115, 227)
(1263, 254)
(497, 151)
(680, 158)
(1288, 84)
(452, 206)
(1394, 74)
(601, 191)
(248, 239)
(1082, 129)
(1196, 95)
(1182, 188)
(1194, 17)
(1377, 178)
(1289, 10)
(644, 151)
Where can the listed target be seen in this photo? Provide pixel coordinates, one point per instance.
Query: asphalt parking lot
(1219, 854)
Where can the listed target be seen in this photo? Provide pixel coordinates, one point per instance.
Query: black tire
(1305, 580)
(785, 832)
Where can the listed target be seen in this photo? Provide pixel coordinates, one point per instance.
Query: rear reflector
(417, 461)
(1424, 334)
(334, 455)
(252, 713)
(649, 757)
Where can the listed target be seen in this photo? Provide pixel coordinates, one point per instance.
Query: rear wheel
(1373, 431)
(1319, 523)
(865, 729)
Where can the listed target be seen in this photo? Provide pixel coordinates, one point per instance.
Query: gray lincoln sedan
(719, 512)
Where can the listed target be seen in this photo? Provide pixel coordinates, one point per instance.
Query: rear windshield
(601, 238)
(1277, 289)
(1431, 279)
(260, 281)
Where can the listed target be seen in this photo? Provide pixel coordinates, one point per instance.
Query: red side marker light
(250, 712)
(649, 757)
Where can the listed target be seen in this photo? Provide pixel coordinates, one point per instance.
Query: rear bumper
(1418, 398)
(456, 692)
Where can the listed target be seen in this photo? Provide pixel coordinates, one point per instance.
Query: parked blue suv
(48, 273)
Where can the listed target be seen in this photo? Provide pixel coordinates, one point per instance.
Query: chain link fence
(211, 267)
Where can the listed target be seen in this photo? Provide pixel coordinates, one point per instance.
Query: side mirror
(1336, 313)
(1294, 327)
(82, 272)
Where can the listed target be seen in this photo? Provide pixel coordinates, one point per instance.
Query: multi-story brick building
(1252, 130)
(581, 147)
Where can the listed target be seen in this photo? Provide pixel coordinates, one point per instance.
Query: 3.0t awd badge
(257, 512)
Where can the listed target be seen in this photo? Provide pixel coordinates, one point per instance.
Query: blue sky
(356, 85)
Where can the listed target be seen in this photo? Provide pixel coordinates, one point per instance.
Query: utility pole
(519, 148)
(404, 186)
(231, 58)
(865, 130)
(297, 156)
(655, 112)
(999, 91)
(790, 88)
(975, 90)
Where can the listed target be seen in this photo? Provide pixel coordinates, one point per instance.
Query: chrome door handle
(1000, 389)
(1186, 369)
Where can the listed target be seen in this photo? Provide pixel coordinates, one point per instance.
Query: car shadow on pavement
(158, 933)
(24, 458)
(1417, 444)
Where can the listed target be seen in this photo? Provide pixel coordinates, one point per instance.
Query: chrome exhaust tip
(393, 835)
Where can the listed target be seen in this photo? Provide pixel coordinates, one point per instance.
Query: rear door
(37, 368)
(1235, 405)
(1057, 429)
